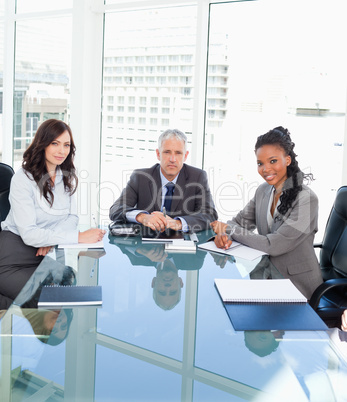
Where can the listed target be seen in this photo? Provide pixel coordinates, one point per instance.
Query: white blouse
(34, 220)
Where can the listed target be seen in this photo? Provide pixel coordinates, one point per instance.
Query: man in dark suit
(170, 194)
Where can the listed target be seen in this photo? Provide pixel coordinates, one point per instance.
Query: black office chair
(6, 173)
(329, 300)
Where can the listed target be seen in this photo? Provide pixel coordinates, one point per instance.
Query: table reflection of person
(339, 337)
(50, 326)
(262, 343)
(265, 270)
(148, 254)
(49, 272)
(167, 283)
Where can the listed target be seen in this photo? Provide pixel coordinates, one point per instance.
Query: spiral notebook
(260, 304)
(258, 291)
(69, 296)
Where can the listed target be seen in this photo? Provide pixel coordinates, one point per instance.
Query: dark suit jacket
(192, 198)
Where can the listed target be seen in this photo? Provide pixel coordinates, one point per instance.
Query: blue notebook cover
(63, 296)
(274, 316)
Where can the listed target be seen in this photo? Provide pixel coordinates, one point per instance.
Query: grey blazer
(289, 242)
(192, 198)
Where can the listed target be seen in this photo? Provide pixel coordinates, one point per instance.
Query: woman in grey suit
(281, 219)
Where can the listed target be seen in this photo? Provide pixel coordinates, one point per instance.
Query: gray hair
(177, 134)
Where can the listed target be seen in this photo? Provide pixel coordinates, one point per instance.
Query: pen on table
(164, 212)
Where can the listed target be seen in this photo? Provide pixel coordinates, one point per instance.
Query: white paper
(178, 244)
(258, 290)
(236, 249)
(83, 246)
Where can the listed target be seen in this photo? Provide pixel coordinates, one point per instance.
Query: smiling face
(57, 151)
(172, 155)
(272, 164)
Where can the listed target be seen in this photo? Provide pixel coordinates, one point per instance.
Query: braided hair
(281, 137)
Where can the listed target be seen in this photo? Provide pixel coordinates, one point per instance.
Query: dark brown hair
(34, 161)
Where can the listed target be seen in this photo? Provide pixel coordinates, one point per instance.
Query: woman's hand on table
(91, 236)
(219, 227)
(222, 241)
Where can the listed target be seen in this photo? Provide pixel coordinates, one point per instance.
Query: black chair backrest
(333, 256)
(6, 173)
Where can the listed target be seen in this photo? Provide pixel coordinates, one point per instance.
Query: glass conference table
(161, 334)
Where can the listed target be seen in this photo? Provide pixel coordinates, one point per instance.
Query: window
(294, 77)
(24, 6)
(140, 47)
(42, 75)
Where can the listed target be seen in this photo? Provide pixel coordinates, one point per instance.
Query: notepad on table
(69, 296)
(181, 245)
(236, 249)
(263, 305)
(258, 291)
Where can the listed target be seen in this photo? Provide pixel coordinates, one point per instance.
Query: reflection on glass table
(179, 349)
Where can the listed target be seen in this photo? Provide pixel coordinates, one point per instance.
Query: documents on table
(65, 296)
(181, 246)
(236, 249)
(258, 291)
(83, 246)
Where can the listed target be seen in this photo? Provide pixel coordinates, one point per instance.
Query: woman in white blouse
(43, 209)
(281, 219)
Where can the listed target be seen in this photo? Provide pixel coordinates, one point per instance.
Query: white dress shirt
(34, 220)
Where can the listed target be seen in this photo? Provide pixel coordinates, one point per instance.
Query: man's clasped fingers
(156, 221)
